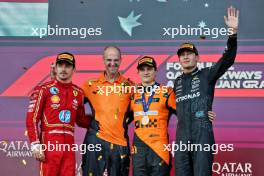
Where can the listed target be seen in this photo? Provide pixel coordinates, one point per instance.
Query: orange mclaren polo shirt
(109, 108)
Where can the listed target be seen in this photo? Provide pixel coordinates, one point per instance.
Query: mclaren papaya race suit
(57, 106)
(194, 98)
(149, 155)
(108, 128)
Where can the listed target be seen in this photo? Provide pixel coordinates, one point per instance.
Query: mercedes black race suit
(194, 98)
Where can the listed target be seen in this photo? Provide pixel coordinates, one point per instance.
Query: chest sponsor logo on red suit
(55, 106)
(75, 104)
(65, 116)
(75, 93)
(54, 90)
(55, 99)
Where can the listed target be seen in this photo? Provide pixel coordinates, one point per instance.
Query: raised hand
(232, 18)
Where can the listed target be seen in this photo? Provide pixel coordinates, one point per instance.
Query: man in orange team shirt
(109, 126)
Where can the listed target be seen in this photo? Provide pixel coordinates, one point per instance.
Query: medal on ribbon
(145, 118)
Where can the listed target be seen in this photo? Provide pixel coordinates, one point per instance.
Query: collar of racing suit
(103, 79)
(65, 85)
(191, 73)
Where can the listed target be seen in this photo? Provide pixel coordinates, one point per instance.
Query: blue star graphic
(130, 22)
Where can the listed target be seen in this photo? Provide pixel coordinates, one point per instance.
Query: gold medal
(145, 120)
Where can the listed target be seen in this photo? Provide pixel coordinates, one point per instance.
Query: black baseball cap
(147, 60)
(67, 57)
(188, 47)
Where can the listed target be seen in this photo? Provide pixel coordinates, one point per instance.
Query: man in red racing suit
(57, 105)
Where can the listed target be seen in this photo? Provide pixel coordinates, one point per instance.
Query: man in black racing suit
(194, 97)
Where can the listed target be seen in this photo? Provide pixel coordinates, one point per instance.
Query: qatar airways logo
(232, 169)
(15, 149)
(187, 97)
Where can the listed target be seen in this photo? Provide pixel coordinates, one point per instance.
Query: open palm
(231, 20)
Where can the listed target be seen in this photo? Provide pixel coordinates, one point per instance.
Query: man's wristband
(35, 146)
